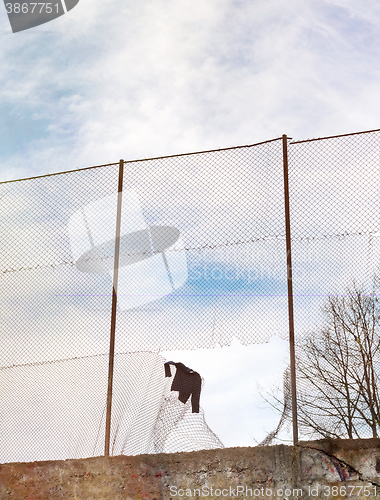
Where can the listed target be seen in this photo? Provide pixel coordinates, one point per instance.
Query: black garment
(187, 382)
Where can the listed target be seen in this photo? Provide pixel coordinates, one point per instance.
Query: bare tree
(338, 369)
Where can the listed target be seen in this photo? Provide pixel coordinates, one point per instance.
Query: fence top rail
(189, 154)
(141, 160)
(335, 136)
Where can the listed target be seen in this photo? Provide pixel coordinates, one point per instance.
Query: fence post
(290, 291)
(113, 312)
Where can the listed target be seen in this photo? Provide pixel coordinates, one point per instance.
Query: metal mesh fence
(335, 224)
(225, 209)
(57, 410)
(201, 246)
(202, 262)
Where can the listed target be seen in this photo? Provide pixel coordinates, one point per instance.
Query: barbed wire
(52, 361)
(198, 248)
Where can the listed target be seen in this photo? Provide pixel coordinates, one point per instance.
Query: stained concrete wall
(325, 469)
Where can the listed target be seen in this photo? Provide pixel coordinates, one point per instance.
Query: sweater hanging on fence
(187, 382)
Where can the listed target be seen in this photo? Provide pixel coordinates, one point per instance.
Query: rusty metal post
(290, 291)
(113, 312)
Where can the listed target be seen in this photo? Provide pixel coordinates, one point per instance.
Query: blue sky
(107, 81)
(151, 78)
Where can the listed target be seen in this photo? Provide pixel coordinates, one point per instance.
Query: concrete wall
(325, 469)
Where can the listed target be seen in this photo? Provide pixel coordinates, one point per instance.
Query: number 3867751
(30, 8)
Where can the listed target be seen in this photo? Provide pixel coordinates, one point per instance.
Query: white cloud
(164, 77)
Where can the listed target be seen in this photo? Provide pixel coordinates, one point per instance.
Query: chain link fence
(202, 261)
(201, 241)
(335, 228)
